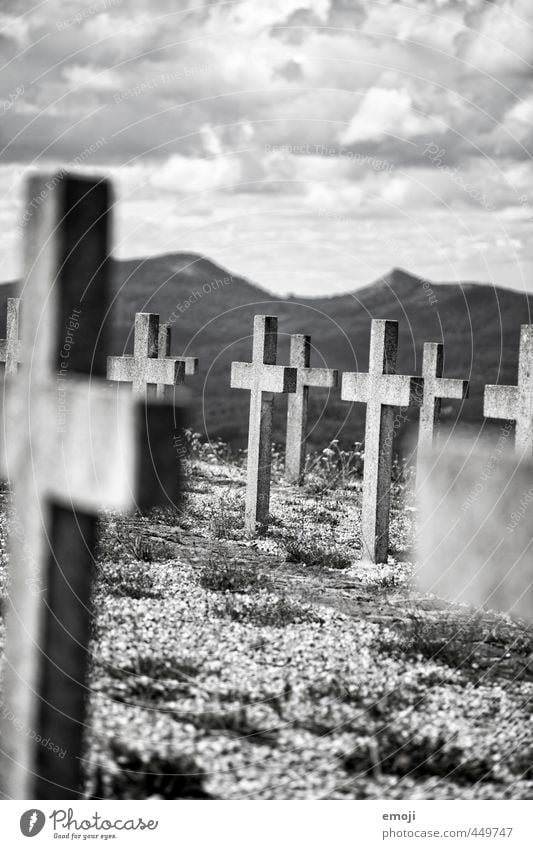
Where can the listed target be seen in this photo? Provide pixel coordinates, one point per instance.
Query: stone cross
(436, 387)
(381, 390)
(146, 370)
(10, 346)
(474, 524)
(263, 378)
(163, 352)
(300, 359)
(69, 449)
(515, 403)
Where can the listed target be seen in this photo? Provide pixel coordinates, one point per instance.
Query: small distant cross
(515, 403)
(436, 387)
(263, 378)
(297, 408)
(163, 352)
(381, 389)
(10, 346)
(146, 369)
(69, 449)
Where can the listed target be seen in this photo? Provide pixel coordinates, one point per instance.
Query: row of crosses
(151, 370)
(381, 390)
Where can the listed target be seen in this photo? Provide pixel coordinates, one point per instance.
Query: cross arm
(121, 368)
(269, 378)
(325, 377)
(500, 402)
(191, 364)
(355, 387)
(449, 387)
(169, 371)
(399, 390)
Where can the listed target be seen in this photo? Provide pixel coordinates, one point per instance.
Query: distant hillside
(212, 313)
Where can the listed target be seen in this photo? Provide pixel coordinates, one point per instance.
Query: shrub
(143, 775)
(132, 580)
(232, 577)
(226, 519)
(270, 611)
(312, 555)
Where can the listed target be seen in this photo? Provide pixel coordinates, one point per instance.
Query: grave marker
(146, 370)
(436, 387)
(10, 346)
(300, 359)
(381, 389)
(70, 449)
(163, 352)
(263, 378)
(515, 403)
(474, 525)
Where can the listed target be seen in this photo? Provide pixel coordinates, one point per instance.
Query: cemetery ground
(284, 667)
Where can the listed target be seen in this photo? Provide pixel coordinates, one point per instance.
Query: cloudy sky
(310, 145)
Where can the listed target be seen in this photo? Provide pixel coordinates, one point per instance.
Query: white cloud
(385, 111)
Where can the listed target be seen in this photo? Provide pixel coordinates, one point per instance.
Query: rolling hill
(212, 312)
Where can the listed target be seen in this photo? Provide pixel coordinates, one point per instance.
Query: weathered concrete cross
(515, 403)
(10, 346)
(146, 369)
(70, 449)
(300, 359)
(381, 390)
(263, 378)
(163, 352)
(436, 387)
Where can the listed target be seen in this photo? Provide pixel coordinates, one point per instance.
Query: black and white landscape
(267, 400)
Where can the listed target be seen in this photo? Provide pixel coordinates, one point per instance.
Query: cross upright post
(146, 370)
(515, 403)
(263, 378)
(436, 387)
(297, 404)
(381, 389)
(69, 450)
(10, 346)
(163, 352)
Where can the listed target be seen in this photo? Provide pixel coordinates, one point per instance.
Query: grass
(131, 580)
(231, 577)
(266, 611)
(311, 554)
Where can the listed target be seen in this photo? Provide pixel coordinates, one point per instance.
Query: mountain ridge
(212, 309)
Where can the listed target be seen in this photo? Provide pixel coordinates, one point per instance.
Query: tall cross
(381, 389)
(515, 403)
(297, 408)
(146, 369)
(163, 351)
(10, 346)
(263, 378)
(436, 387)
(69, 450)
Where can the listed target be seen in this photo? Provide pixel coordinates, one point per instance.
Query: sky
(309, 145)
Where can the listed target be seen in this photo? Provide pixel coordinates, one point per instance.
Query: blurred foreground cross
(72, 447)
(474, 530)
(263, 378)
(381, 390)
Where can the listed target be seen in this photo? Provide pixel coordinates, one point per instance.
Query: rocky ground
(286, 668)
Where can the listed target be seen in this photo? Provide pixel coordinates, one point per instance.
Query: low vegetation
(287, 668)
